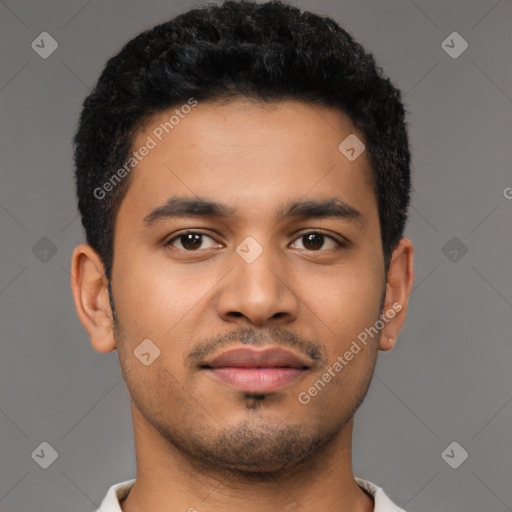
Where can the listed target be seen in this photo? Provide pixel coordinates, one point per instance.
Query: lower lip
(258, 380)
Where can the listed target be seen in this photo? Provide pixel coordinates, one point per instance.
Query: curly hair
(265, 51)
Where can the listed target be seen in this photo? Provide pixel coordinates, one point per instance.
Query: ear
(90, 294)
(400, 279)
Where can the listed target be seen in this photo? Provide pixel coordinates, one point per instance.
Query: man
(243, 179)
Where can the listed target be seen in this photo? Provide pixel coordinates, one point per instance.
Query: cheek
(160, 303)
(151, 298)
(346, 299)
(155, 389)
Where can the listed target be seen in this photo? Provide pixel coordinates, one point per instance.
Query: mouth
(257, 370)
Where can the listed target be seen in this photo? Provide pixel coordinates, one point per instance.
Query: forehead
(249, 155)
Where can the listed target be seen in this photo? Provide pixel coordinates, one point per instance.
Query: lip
(257, 370)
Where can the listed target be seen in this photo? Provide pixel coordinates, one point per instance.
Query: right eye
(189, 240)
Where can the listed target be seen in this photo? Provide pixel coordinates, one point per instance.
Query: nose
(259, 293)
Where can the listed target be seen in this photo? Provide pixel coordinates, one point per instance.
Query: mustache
(276, 336)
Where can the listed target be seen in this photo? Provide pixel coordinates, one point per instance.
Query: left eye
(313, 241)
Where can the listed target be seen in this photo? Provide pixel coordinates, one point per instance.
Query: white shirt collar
(382, 502)
(119, 491)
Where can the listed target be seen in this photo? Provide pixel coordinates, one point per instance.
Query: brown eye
(190, 241)
(314, 241)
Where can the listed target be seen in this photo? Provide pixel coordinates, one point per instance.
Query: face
(247, 250)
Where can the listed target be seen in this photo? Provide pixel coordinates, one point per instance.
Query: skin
(201, 444)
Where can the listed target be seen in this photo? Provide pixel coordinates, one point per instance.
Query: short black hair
(269, 52)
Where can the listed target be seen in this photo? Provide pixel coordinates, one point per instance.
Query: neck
(171, 481)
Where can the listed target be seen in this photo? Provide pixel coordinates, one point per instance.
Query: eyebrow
(180, 206)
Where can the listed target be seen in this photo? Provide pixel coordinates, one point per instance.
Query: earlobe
(400, 279)
(387, 343)
(90, 294)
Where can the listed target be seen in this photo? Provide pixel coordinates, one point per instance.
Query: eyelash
(316, 232)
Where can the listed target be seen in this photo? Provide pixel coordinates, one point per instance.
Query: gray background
(448, 379)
